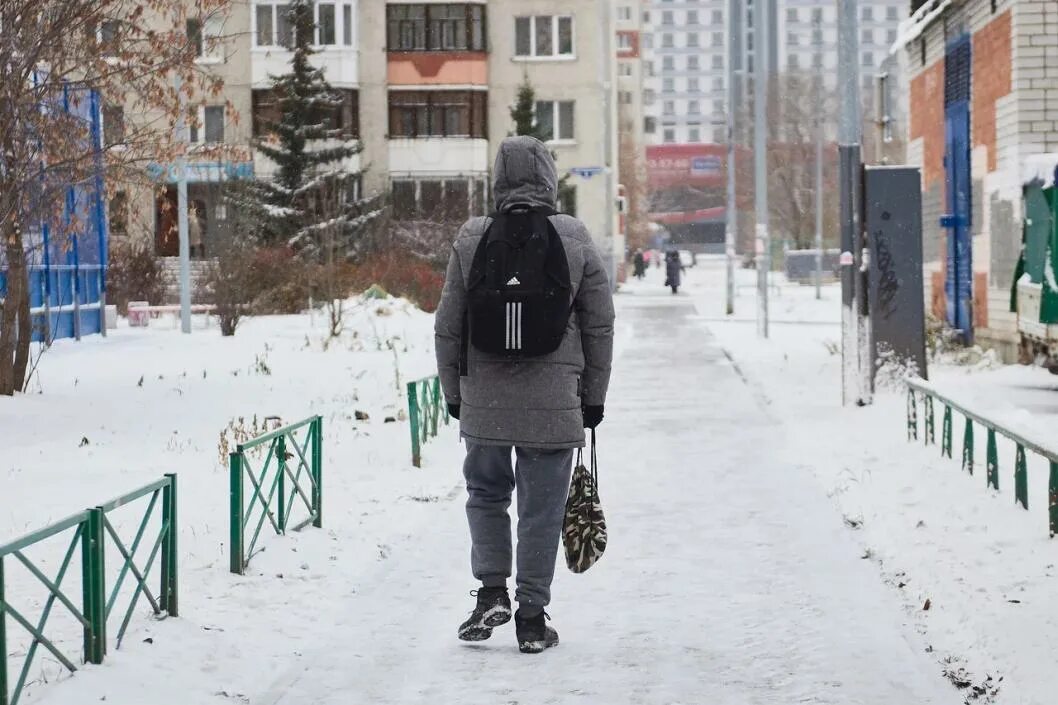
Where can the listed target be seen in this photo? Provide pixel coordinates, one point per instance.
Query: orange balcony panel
(428, 68)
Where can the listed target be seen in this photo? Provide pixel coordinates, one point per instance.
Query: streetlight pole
(760, 158)
(855, 331)
(817, 38)
(181, 215)
(731, 231)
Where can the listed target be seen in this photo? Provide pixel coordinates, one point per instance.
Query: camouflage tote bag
(584, 530)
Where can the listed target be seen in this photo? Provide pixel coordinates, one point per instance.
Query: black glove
(453, 410)
(592, 416)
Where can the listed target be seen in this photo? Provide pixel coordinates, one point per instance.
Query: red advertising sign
(686, 165)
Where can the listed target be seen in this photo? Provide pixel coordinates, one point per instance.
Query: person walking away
(524, 336)
(673, 270)
(640, 264)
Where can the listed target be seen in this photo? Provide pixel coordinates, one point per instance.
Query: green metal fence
(919, 388)
(94, 533)
(285, 483)
(426, 407)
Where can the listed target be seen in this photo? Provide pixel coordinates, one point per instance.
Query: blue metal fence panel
(67, 270)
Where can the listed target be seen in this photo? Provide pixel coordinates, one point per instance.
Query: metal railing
(426, 407)
(1021, 444)
(305, 483)
(93, 532)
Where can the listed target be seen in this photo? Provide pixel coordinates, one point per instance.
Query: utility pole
(855, 327)
(181, 211)
(817, 39)
(731, 232)
(760, 157)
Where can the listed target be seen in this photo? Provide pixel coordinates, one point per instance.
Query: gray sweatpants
(542, 478)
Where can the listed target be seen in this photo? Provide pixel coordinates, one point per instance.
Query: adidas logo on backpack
(519, 294)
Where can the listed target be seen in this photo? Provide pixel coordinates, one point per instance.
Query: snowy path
(729, 579)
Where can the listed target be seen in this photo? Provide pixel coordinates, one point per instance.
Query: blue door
(958, 284)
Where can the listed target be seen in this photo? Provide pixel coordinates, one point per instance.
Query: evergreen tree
(523, 112)
(312, 203)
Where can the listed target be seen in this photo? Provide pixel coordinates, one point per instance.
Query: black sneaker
(493, 609)
(533, 633)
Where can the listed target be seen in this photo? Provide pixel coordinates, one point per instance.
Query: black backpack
(518, 292)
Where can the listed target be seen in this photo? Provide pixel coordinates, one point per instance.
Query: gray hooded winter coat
(535, 401)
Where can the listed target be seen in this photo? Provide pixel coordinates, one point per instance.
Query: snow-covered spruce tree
(312, 204)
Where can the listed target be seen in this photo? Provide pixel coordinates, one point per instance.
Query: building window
(792, 62)
(209, 126)
(718, 17)
(718, 61)
(718, 84)
(792, 39)
(749, 42)
(666, 41)
(668, 63)
(670, 135)
(720, 135)
(205, 36)
(649, 97)
(791, 14)
(718, 39)
(817, 37)
(868, 59)
(817, 60)
(867, 13)
(694, 134)
(890, 37)
(666, 18)
(437, 200)
(650, 125)
(437, 114)
(554, 120)
(624, 13)
(118, 212)
(326, 25)
(543, 36)
(113, 124)
(692, 40)
(647, 39)
(668, 85)
(692, 17)
(693, 63)
(435, 27)
(692, 85)
(817, 15)
(892, 13)
(694, 108)
(625, 97)
(272, 26)
(625, 69)
(345, 119)
(867, 37)
(669, 107)
(624, 41)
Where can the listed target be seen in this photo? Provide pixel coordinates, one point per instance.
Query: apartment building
(631, 64)
(427, 88)
(808, 46)
(983, 96)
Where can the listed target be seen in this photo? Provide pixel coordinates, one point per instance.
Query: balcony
(341, 65)
(438, 155)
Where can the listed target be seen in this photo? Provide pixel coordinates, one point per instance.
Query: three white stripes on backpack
(514, 325)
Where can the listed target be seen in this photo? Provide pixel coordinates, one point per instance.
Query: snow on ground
(729, 578)
(937, 534)
(767, 545)
(114, 414)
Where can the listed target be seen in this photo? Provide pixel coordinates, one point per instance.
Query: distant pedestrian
(524, 335)
(640, 264)
(673, 270)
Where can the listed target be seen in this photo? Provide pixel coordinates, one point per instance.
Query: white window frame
(555, 116)
(624, 13)
(201, 128)
(555, 21)
(624, 42)
(339, 25)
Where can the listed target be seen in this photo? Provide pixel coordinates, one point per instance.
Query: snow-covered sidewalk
(729, 578)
